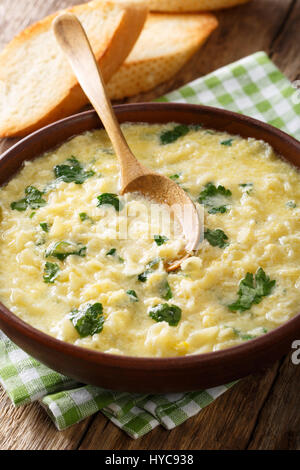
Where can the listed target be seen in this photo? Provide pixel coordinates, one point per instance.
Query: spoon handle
(74, 42)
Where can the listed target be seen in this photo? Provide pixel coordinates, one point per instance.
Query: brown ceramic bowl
(150, 374)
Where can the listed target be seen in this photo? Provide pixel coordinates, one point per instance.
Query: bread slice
(188, 5)
(164, 46)
(37, 85)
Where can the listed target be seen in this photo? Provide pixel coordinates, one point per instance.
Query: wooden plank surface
(261, 411)
(222, 425)
(278, 425)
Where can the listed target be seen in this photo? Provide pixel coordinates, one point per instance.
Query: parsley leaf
(83, 216)
(73, 172)
(216, 237)
(143, 276)
(44, 226)
(215, 198)
(88, 320)
(167, 137)
(50, 272)
(33, 199)
(243, 336)
(291, 204)
(246, 337)
(160, 239)
(174, 177)
(228, 142)
(111, 252)
(252, 290)
(132, 295)
(109, 198)
(165, 312)
(165, 291)
(246, 187)
(152, 264)
(61, 250)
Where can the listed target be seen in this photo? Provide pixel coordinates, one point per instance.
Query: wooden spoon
(134, 177)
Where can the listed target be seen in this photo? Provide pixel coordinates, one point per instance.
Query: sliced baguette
(37, 85)
(164, 46)
(177, 6)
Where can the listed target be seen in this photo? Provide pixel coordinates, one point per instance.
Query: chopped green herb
(246, 187)
(132, 295)
(32, 215)
(44, 226)
(246, 337)
(109, 198)
(264, 330)
(40, 242)
(160, 239)
(243, 336)
(165, 291)
(88, 320)
(252, 290)
(33, 199)
(165, 312)
(174, 177)
(50, 272)
(210, 132)
(291, 204)
(61, 250)
(216, 237)
(111, 252)
(227, 142)
(167, 137)
(73, 172)
(215, 198)
(143, 276)
(83, 216)
(152, 264)
(20, 205)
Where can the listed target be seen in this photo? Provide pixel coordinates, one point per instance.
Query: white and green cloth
(252, 86)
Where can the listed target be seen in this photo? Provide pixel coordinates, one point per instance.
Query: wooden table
(261, 411)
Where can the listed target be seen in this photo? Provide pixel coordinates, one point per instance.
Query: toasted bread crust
(181, 6)
(142, 70)
(109, 57)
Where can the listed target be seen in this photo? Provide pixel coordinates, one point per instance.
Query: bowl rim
(148, 362)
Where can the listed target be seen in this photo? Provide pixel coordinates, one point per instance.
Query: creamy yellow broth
(261, 222)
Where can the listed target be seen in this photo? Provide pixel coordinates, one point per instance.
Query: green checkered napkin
(252, 86)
